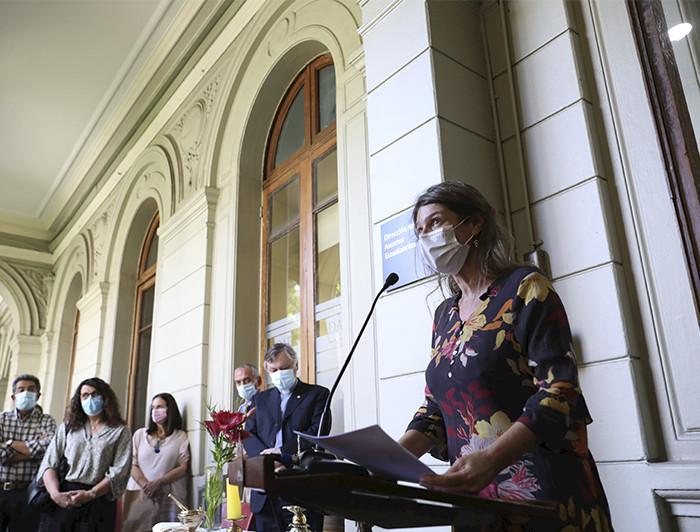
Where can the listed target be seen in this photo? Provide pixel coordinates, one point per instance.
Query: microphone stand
(315, 460)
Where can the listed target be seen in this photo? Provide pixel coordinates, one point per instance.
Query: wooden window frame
(316, 144)
(146, 279)
(71, 365)
(674, 127)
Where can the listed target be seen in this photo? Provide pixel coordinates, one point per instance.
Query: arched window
(143, 325)
(301, 265)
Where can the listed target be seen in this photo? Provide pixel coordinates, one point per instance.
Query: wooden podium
(388, 504)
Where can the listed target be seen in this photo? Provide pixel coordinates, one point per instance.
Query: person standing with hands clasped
(161, 454)
(25, 434)
(97, 445)
(502, 401)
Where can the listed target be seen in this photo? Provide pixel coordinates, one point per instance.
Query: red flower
(232, 436)
(213, 428)
(227, 425)
(228, 420)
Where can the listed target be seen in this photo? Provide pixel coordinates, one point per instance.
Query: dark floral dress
(513, 360)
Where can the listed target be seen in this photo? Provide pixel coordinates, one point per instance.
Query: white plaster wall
(428, 115)
(661, 314)
(89, 343)
(180, 345)
(575, 197)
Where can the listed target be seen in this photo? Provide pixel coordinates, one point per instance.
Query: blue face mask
(25, 401)
(246, 391)
(93, 405)
(283, 379)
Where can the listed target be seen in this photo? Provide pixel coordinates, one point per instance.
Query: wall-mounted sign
(399, 253)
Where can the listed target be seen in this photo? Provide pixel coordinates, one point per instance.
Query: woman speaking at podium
(502, 401)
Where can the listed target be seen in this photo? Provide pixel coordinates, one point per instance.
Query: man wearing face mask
(25, 435)
(290, 405)
(248, 382)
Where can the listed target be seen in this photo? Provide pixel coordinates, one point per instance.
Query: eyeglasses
(85, 396)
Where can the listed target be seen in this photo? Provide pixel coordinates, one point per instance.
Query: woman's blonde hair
(493, 246)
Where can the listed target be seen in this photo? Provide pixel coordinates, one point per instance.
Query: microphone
(324, 427)
(311, 461)
(391, 280)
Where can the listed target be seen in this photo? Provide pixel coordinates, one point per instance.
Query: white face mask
(25, 400)
(283, 379)
(246, 391)
(441, 250)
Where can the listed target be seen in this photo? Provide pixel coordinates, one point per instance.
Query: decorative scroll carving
(188, 132)
(40, 282)
(98, 237)
(148, 180)
(209, 94)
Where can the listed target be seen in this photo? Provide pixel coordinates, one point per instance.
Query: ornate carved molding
(97, 233)
(188, 133)
(40, 283)
(149, 180)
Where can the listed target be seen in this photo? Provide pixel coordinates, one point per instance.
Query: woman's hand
(469, 474)
(153, 488)
(271, 451)
(63, 499)
(80, 497)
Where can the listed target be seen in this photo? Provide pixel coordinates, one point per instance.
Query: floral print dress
(513, 360)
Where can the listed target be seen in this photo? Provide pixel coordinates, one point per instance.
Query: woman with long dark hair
(502, 400)
(97, 446)
(161, 457)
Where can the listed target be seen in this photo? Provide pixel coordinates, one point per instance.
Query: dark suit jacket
(303, 413)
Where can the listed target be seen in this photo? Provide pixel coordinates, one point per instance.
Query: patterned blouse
(92, 458)
(513, 360)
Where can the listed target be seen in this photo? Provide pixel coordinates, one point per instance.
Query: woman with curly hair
(96, 443)
(161, 456)
(502, 398)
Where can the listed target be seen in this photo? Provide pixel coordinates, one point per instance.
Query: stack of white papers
(376, 451)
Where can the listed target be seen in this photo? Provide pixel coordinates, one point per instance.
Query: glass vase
(213, 497)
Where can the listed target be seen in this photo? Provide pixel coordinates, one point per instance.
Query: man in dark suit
(291, 405)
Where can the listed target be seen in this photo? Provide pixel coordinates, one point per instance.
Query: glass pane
(152, 255)
(139, 393)
(293, 131)
(683, 16)
(284, 207)
(284, 290)
(147, 307)
(326, 178)
(326, 96)
(329, 333)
